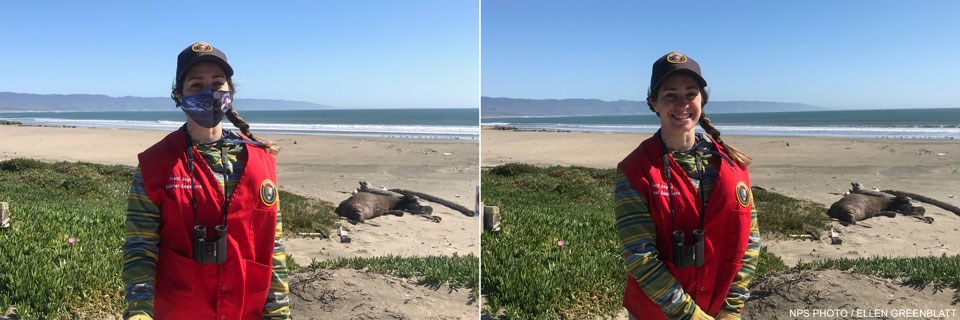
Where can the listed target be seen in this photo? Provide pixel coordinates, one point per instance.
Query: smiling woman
(684, 211)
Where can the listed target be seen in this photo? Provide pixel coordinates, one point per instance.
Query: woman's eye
(195, 85)
(670, 97)
(218, 84)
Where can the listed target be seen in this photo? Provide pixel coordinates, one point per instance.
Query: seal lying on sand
(362, 206)
(856, 207)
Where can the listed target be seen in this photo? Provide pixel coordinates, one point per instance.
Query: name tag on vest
(662, 189)
(176, 182)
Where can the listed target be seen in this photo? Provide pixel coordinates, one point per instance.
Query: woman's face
(204, 76)
(678, 103)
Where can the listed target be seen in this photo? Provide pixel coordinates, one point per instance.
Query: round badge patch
(676, 57)
(743, 194)
(201, 47)
(268, 192)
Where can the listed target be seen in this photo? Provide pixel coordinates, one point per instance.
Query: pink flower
(72, 240)
(561, 243)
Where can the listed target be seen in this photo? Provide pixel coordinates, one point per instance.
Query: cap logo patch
(743, 194)
(676, 57)
(268, 192)
(202, 47)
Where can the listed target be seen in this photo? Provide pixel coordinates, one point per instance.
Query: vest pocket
(257, 278)
(177, 276)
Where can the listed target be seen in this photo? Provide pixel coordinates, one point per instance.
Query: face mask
(207, 108)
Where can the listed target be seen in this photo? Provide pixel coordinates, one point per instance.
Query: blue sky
(350, 54)
(835, 54)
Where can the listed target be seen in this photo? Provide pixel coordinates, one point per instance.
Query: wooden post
(491, 218)
(4, 215)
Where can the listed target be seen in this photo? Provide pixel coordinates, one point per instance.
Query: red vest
(236, 289)
(726, 229)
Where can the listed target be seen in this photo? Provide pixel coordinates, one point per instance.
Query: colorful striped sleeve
(637, 234)
(142, 234)
(739, 293)
(278, 305)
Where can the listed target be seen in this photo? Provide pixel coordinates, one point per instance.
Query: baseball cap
(671, 63)
(201, 51)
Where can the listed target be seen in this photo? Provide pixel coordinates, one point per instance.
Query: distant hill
(509, 107)
(11, 101)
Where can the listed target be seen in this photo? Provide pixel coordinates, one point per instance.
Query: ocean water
(458, 124)
(895, 124)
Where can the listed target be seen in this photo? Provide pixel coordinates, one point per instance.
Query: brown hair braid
(737, 155)
(238, 122)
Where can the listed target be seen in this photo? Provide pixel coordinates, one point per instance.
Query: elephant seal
(362, 206)
(856, 207)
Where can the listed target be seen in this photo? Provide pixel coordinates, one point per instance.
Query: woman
(202, 226)
(684, 215)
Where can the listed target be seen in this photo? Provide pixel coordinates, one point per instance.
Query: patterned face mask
(207, 108)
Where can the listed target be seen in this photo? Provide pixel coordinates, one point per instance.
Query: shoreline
(747, 131)
(295, 132)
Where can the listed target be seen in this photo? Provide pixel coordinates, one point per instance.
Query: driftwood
(366, 187)
(924, 199)
(312, 234)
(437, 200)
(859, 188)
(812, 235)
(862, 203)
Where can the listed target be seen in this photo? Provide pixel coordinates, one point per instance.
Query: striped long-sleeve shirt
(142, 231)
(637, 234)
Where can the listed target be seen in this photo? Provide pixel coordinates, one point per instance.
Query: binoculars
(685, 256)
(209, 252)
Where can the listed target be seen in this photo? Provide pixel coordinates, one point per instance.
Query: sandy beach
(327, 168)
(817, 169)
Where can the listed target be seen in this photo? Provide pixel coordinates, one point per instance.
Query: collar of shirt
(226, 135)
(701, 145)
